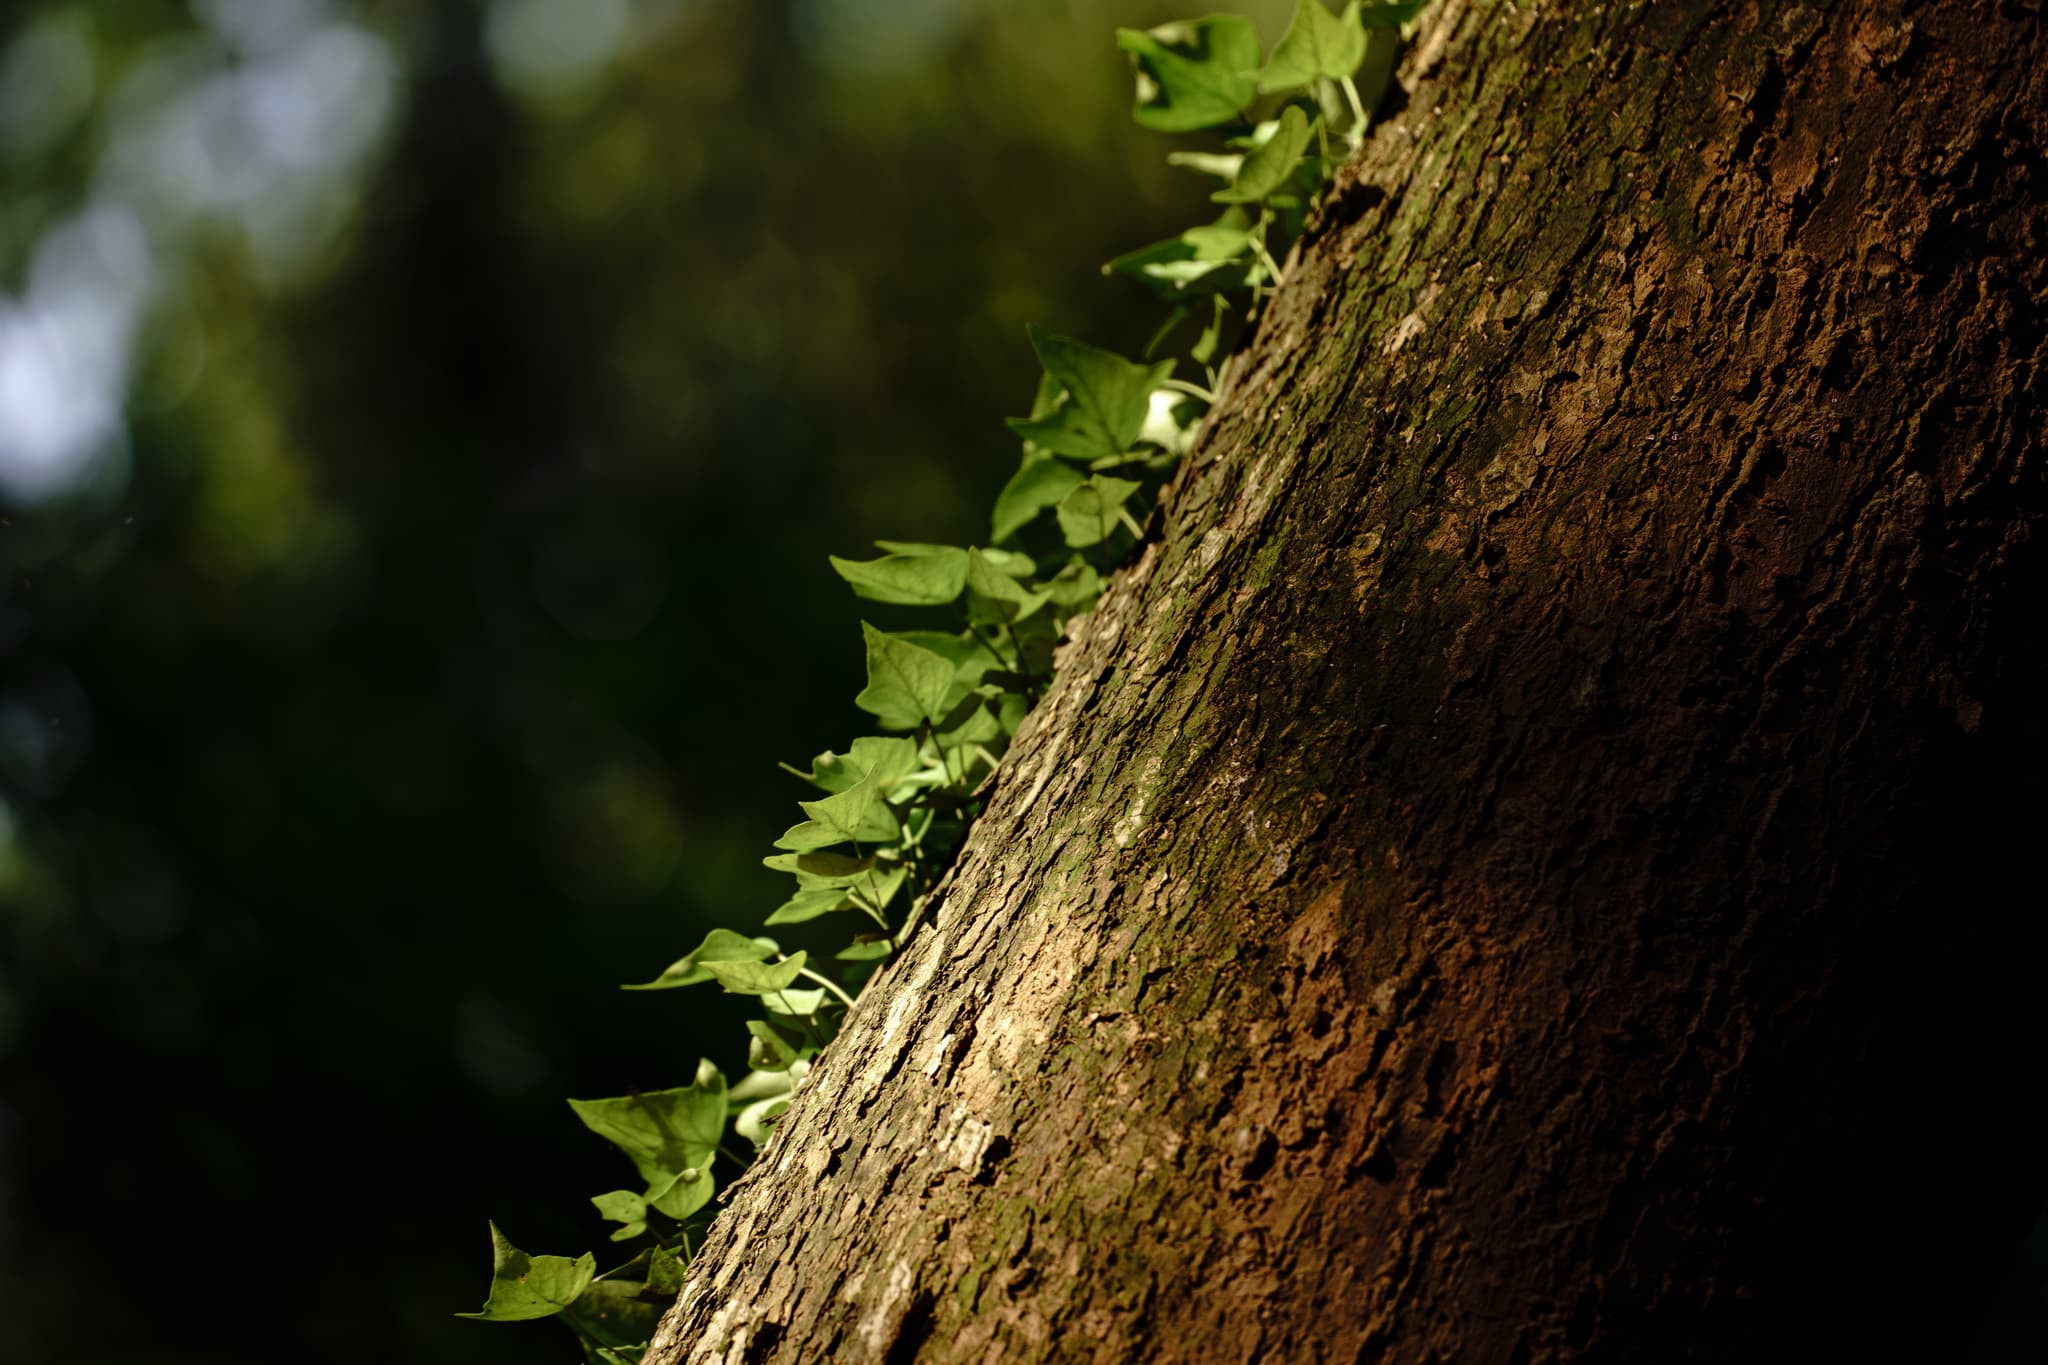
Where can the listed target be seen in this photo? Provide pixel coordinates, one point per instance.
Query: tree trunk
(1523, 867)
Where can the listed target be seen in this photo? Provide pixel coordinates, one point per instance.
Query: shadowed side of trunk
(1534, 862)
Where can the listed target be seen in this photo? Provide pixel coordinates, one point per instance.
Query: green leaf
(1015, 563)
(820, 870)
(769, 1050)
(808, 905)
(970, 657)
(794, 1003)
(666, 1271)
(866, 948)
(1077, 586)
(1391, 16)
(614, 1319)
(1193, 75)
(1267, 166)
(994, 595)
(1317, 44)
(753, 1121)
(664, 1131)
(683, 1193)
(720, 945)
(907, 684)
(916, 575)
(877, 889)
(860, 814)
(623, 1206)
(1090, 514)
(891, 756)
(758, 978)
(1038, 484)
(524, 1286)
(1222, 165)
(1106, 398)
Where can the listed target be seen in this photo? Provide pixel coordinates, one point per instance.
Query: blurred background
(422, 428)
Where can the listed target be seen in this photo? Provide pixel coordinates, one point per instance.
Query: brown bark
(1534, 861)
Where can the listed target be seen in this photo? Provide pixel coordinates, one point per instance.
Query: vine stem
(1266, 259)
(828, 983)
(1191, 390)
(1359, 118)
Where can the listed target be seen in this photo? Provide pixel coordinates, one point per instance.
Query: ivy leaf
(866, 948)
(916, 575)
(720, 945)
(758, 978)
(892, 757)
(1089, 515)
(1226, 239)
(614, 1320)
(994, 595)
(663, 1131)
(524, 1286)
(1105, 402)
(809, 904)
(856, 815)
(794, 1003)
(1038, 484)
(1391, 15)
(1267, 166)
(1222, 165)
(752, 1122)
(626, 1207)
(820, 870)
(683, 1193)
(1015, 563)
(666, 1271)
(1317, 44)
(1195, 74)
(907, 683)
(769, 1050)
(877, 889)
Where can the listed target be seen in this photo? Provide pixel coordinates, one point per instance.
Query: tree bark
(1531, 863)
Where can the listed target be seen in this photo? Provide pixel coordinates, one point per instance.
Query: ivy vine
(1102, 436)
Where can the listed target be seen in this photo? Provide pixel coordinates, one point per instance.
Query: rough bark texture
(1522, 867)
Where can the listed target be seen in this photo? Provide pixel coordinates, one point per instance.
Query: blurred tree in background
(422, 426)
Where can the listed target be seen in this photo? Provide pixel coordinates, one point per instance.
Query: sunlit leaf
(720, 945)
(664, 1131)
(524, 1286)
(752, 1122)
(907, 683)
(1091, 513)
(1105, 398)
(758, 978)
(1267, 166)
(917, 575)
(866, 948)
(683, 1193)
(1038, 484)
(768, 1050)
(793, 1002)
(1195, 74)
(1076, 586)
(820, 870)
(1317, 44)
(808, 905)
(625, 1207)
(994, 595)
